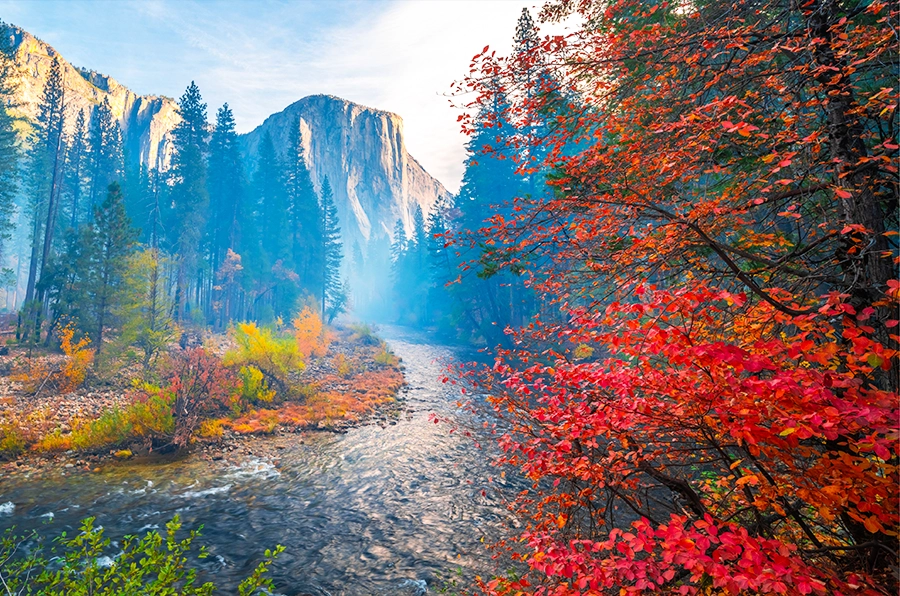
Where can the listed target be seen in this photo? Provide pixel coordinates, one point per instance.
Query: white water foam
(419, 586)
(254, 468)
(7, 508)
(216, 490)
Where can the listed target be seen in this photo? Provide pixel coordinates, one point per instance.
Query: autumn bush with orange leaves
(37, 374)
(196, 393)
(313, 338)
(715, 407)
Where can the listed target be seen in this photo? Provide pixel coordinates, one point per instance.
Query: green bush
(365, 334)
(83, 565)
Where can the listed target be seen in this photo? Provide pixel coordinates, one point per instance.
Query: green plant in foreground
(79, 566)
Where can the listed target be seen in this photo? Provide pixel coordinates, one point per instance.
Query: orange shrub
(31, 373)
(78, 359)
(312, 337)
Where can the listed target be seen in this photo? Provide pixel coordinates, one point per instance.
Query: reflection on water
(378, 510)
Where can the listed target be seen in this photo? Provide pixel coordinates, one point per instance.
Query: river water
(380, 509)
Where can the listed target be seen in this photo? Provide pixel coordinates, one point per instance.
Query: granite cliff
(361, 150)
(146, 120)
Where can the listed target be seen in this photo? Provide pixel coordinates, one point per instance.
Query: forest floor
(356, 380)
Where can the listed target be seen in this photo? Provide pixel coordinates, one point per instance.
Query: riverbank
(351, 377)
(391, 502)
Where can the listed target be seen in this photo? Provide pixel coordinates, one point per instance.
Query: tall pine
(305, 213)
(9, 148)
(106, 245)
(334, 293)
(226, 188)
(190, 196)
(75, 169)
(47, 160)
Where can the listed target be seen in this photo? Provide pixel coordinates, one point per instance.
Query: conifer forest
(644, 341)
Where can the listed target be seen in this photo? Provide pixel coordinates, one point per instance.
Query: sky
(261, 56)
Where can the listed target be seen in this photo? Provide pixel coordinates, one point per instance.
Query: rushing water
(381, 509)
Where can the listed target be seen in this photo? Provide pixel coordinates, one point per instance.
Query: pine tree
(226, 188)
(106, 245)
(9, 149)
(106, 153)
(276, 278)
(269, 185)
(48, 158)
(189, 190)
(333, 291)
(77, 154)
(303, 206)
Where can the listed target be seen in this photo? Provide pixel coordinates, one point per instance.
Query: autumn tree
(144, 306)
(717, 409)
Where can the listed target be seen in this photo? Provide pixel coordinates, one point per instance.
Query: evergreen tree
(270, 190)
(105, 247)
(304, 210)
(226, 189)
(420, 241)
(106, 153)
(75, 161)
(334, 293)
(9, 149)
(276, 279)
(190, 197)
(48, 158)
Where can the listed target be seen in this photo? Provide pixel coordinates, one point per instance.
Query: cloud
(401, 57)
(260, 57)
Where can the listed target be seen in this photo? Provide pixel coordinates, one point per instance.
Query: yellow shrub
(274, 355)
(31, 374)
(385, 356)
(211, 429)
(311, 335)
(12, 443)
(53, 442)
(253, 385)
(343, 365)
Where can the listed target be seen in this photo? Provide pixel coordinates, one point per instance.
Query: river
(381, 509)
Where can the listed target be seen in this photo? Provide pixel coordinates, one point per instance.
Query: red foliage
(721, 192)
(202, 387)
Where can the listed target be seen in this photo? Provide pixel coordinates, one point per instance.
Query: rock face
(146, 121)
(362, 152)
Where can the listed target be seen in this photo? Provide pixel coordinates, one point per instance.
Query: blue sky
(260, 57)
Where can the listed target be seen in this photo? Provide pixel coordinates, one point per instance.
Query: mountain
(361, 150)
(146, 120)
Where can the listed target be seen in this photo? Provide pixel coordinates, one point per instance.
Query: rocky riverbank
(356, 380)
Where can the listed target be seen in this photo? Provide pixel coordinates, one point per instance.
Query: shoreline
(38, 417)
